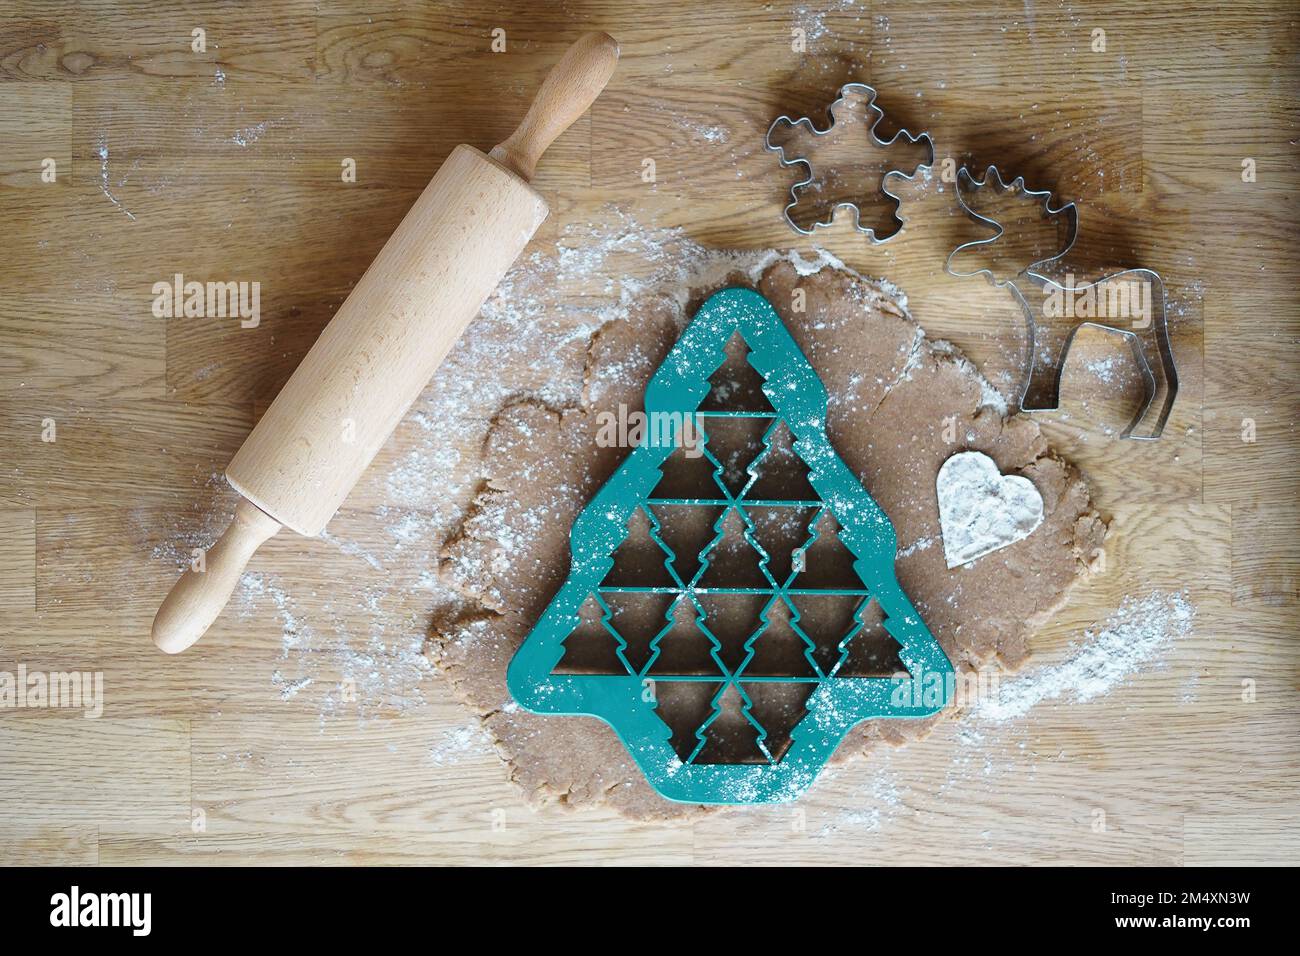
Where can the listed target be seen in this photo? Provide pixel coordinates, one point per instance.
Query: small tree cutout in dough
(736, 386)
(732, 700)
(730, 735)
(734, 559)
(594, 646)
(685, 649)
(642, 558)
(778, 472)
(777, 649)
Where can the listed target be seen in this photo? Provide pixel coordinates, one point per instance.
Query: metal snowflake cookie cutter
(750, 733)
(1137, 295)
(845, 94)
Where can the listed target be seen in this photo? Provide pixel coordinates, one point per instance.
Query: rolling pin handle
(567, 92)
(198, 597)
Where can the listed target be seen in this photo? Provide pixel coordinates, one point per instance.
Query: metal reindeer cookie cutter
(847, 94)
(1136, 294)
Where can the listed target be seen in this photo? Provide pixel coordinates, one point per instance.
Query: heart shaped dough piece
(982, 510)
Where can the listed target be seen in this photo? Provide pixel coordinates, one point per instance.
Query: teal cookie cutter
(782, 745)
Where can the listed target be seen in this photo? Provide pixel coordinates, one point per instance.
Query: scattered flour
(712, 134)
(251, 134)
(1100, 660)
(207, 371)
(362, 675)
(458, 743)
(1107, 370)
(876, 803)
(101, 150)
(921, 544)
(290, 689)
(349, 547)
(255, 585)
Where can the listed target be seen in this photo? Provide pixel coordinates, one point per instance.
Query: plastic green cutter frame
(627, 701)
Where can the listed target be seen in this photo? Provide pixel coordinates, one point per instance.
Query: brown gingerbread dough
(900, 405)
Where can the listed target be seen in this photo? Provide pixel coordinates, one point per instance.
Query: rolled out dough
(893, 394)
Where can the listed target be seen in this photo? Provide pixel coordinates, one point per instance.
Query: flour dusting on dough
(981, 510)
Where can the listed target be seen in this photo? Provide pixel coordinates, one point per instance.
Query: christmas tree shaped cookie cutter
(790, 718)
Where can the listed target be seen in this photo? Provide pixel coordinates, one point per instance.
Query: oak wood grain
(303, 731)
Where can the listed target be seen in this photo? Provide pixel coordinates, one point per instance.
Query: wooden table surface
(224, 164)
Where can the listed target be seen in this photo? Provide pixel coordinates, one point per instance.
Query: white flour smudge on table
(456, 744)
(1103, 657)
(101, 150)
(249, 135)
(1097, 662)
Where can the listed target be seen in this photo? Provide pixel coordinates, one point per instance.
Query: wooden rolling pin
(385, 342)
